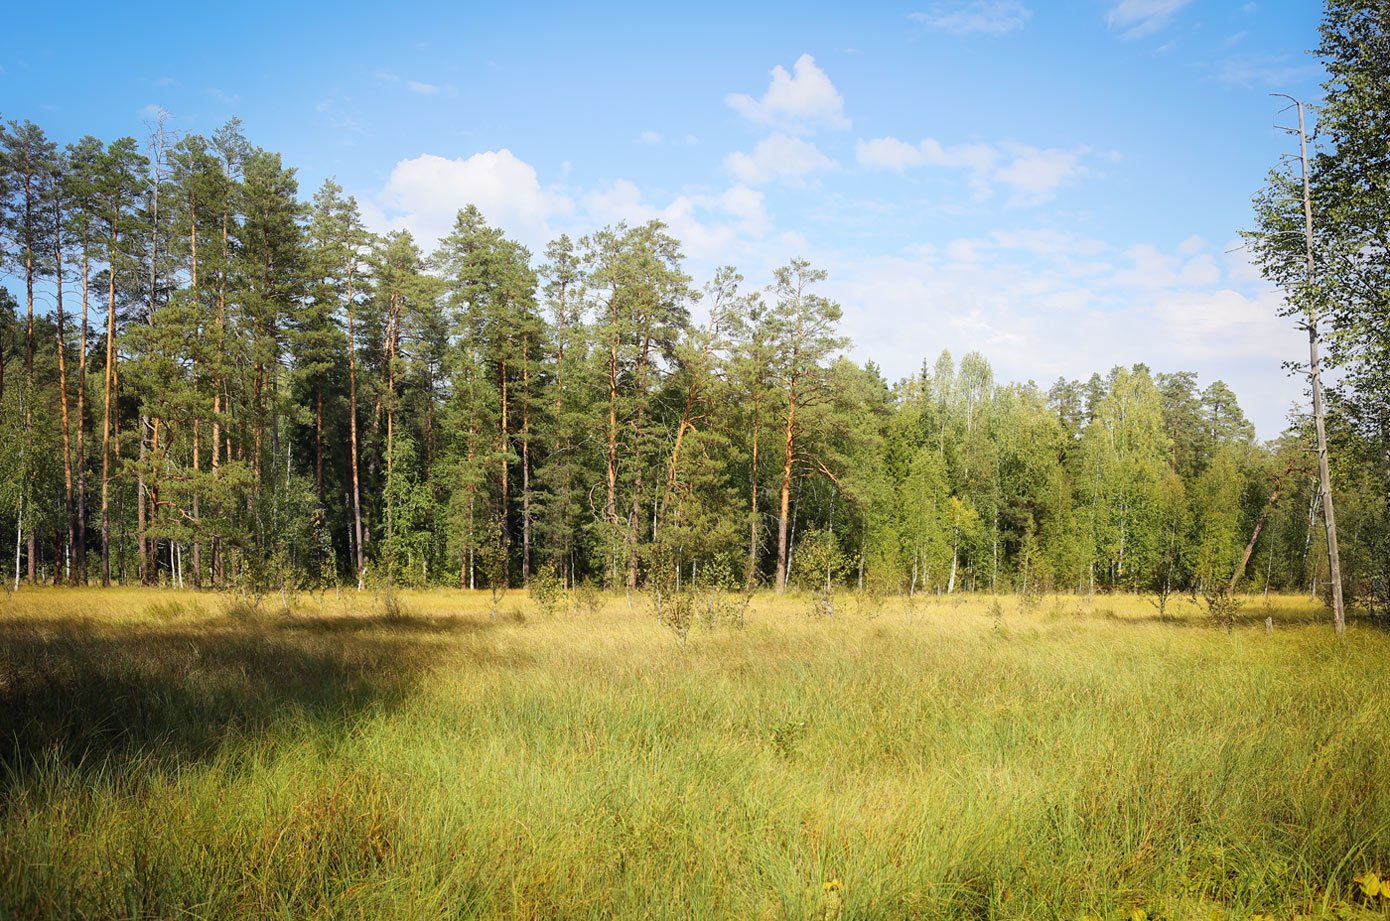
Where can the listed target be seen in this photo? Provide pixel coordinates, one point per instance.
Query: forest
(212, 381)
(208, 378)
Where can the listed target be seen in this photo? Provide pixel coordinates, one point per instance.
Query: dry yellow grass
(174, 754)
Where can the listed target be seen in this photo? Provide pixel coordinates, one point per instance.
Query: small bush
(868, 601)
(390, 606)
(586, 597)
(816, 566)
(1222, 607)
(547, 591)
(680, 615)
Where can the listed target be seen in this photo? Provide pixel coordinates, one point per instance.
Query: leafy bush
(586, 597)
(547, 591)
(1222, 607)
(680, 615)
(816, 566)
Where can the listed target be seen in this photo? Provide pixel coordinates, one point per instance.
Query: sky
(1058, 185)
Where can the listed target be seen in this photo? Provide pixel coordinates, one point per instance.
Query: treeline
(207, 380)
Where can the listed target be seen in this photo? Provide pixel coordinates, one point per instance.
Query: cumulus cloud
(424, 194)
(747, 205)
(1136, 18)
(965, 17)
(1012, 296)
(795, 102)
(708, 226)
(1032, 175)
(778, 157)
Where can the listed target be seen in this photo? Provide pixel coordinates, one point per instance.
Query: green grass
(166, 755)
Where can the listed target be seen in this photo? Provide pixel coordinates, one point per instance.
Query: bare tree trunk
(63, 394)
(1315, 376)
(611, 507)
(142, 566)
(504, 499)
(81, 553)
(197, 429)
(108, 423)
(29, 359)
(752, 573)
(788, 457)
(526, 472)
(361, 560)
(1255, 534)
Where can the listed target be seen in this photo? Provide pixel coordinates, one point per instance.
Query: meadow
(169, 754)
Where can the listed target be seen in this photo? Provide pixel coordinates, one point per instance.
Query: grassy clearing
(170, 754)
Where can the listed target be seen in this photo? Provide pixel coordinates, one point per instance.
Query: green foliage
(680, 614)
(816, 568)
(294, 400)
(586, 597)
(1223, 606)
(547, 591)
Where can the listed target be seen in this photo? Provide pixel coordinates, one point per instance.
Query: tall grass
(164, 757)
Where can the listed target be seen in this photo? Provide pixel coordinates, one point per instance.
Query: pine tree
(804, 332)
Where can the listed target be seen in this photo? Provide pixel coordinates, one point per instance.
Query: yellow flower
(833, 886)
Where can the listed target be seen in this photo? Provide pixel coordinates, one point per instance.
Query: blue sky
(1053, 184)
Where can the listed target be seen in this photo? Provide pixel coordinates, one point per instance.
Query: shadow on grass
(387, 623)
(119, 698)
(1249, 616)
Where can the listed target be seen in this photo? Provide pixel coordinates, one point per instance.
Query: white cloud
(1047, 242)
(1033, 175)
(230, 99)
(424, 89)
(1192, 245)
(963, 17)
(778, 157)
(424, 194)
(708, 226)
(649, 137)
(1151, 269)
(747, 205)
(1265, 70)
(889, 153)
(1011, 296)
(1142, 17)
(795, 103)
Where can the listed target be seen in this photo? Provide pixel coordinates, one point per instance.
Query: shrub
(547, 591)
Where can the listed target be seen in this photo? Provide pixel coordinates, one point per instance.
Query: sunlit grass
(176, 754)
